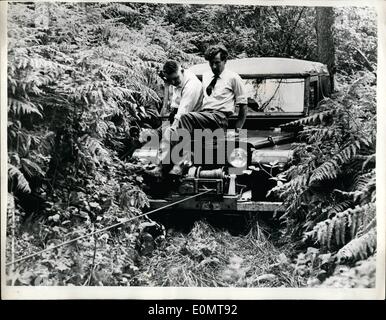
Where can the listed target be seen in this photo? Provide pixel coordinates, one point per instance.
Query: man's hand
(164, 112)
(175, 123)
(170, 132)
(231, 134)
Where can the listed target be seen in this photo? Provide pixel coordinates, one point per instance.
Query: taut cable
(106, 228)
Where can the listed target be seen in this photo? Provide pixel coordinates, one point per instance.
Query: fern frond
(40, 63)
(130, 196)
(358, 248)
(314, 134)
(47, 142)
(306, 167)
(339, 207)
(294, 185)
(333, 230)
(331, 168)
(361, 180)
(14, 174)
(19, 107)
(368, 141)
(95, 147)
(101, 129)
(31, 168)
(328, 170)
(347, 153)
(119, 9)
(311, 120)
(370, 159)
(296, 202)
(361, 193)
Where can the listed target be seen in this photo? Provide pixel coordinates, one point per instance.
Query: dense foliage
(82, 77)
(77, 87)
(330, 194)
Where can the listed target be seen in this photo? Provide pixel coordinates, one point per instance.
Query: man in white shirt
(187, 95)
(223, 91)
(187, 91)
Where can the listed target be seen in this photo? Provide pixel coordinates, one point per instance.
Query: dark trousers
(173, 112)
(211, 120)
(203, 120)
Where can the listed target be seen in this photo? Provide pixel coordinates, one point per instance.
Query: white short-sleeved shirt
(227, 93)
(188, 95)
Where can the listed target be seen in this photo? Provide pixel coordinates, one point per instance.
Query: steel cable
(105, 229)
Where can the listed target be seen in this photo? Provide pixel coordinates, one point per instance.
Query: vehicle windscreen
(279, 95)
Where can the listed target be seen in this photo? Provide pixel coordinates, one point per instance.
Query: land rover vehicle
(280, 90)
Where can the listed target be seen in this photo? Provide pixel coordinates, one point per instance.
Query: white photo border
(72, 292)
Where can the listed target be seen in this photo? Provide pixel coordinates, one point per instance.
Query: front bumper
(218, 203)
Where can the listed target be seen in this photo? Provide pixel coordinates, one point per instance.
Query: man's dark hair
(170, 67)
(212, 51)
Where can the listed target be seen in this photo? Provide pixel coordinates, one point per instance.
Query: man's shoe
(178, 169)
(154, 171)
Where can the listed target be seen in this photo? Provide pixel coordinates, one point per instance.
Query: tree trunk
(325, 39)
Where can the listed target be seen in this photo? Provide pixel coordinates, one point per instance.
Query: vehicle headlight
(266, 156)
(238, 158)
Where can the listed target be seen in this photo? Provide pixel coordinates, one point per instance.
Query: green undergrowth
(215, 258)
(206, 257)
(362, 275)
(203, 257)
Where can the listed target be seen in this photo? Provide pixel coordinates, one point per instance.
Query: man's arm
(241, 101)
(165, 104)
(241, 116)
(164, 111)
(190, 97)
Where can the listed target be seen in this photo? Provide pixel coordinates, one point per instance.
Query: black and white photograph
(202, 146)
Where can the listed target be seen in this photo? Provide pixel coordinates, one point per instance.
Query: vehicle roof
(267, 66)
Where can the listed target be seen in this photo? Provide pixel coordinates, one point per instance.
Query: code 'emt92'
(280, 90)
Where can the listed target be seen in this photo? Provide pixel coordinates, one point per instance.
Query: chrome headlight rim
(240, 158)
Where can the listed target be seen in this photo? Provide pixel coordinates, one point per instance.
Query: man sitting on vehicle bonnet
(186, 91)
(223, 91)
